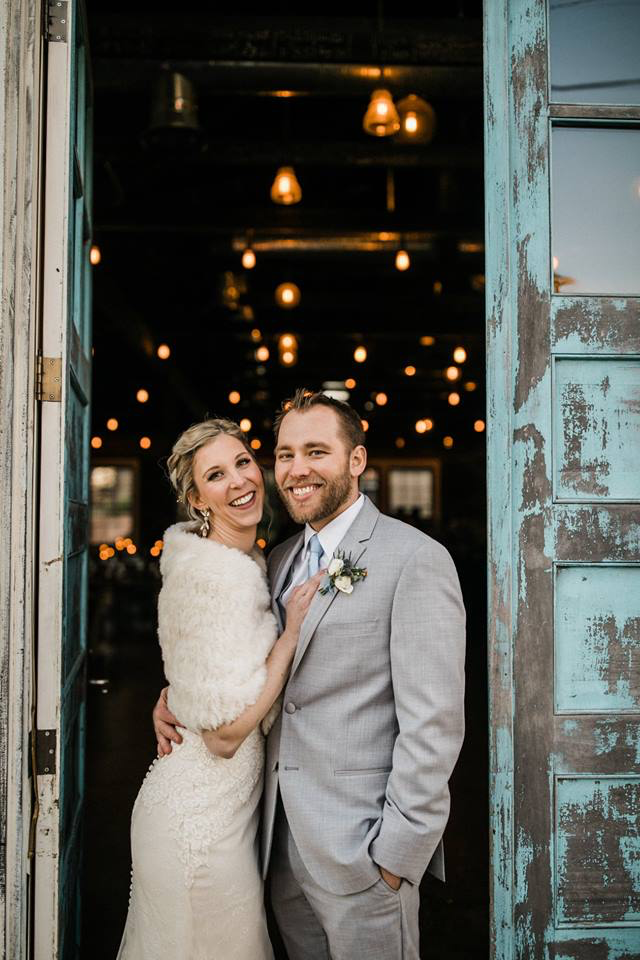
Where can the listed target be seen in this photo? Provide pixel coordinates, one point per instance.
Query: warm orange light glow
(112, 423)
(381, 118)
(261, 542)
(470, 386)
(349, 383)
(410, 370)
(288, 295)
(459, 354)
(159, 544)
(234, 397)
(360, 354)
(452, 373)
(142, 396)
(437, 288)
(287, 340)
(411, 122)
(288, 358)
(127, 541)
(365, 425)
(454, 399)
(428, 424)
(400, 442)
(95, 256)
(131, 549)
(262, 354)
(245, 425)
(248, 259)
(120, 544)
(479, 426)
(154, 552)
(255, 444)
(164, 351)
(403, 261)
(285, 188)
(447, 442)
(427, 341)
(421, 426)
(145, 443)
(381, 399)
(96, 442)
(418, 120)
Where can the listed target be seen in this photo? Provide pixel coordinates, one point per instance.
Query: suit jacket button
(290, 708)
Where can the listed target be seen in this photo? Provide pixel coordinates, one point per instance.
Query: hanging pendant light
(381, 118)
(417, 120)
(174, 112)
(248, 258)
(403, 260)
(285, 188)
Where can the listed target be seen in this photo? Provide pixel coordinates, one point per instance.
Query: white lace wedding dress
(196, 890)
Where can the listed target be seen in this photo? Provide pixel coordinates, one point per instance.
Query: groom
(358, 762)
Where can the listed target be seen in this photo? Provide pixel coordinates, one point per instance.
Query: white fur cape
(215, 627)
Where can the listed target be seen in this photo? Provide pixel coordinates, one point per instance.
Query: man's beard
(333, 494)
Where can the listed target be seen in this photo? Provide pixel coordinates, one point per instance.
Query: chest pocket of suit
(352, 628)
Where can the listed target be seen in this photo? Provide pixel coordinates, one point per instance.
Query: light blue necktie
(315, 550)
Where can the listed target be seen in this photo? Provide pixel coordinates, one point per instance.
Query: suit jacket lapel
(280, 575)
(353, 543)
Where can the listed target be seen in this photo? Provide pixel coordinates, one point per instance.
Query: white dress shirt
(330, 538)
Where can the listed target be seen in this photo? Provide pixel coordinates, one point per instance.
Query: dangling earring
(204, 527)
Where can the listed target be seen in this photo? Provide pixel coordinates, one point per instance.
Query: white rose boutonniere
(342, 574)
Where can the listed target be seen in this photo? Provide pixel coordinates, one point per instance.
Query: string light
(403, 260)
(245, 425)
(452, 373)
(437, 287)
(256, 444)
(459, 354)
(454, 399)
(131, 549)
(112, 424)
(287, 340)
(256, 334)
(120, 544)
(285, 188)
(470, 386)
(262, 353)
(95, 256)
(381, 399)
(248, 258)
(427, 341)
(447, 442)
(154, 552)
(145, 443)
(365, 425)
(350, 383)
(479, 426)
(360, 354)
(381, 118)
(288, 349)
(410, 370)
(164, 351)
(96, 442)
(142, 396)
(288, 295)
(417, 120)
(400, 443)
(261, 542)
(421, 426)
(288, 358)
(234, 397)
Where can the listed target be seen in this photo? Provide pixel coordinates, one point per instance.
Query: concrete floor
(120, 746)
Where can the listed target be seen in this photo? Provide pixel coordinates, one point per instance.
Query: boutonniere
(342, 574)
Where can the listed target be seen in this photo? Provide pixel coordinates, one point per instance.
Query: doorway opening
(212, 296)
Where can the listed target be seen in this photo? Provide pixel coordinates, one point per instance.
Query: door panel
(564, 511)
(64, 495)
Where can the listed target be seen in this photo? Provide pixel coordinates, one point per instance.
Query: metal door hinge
(49, 379)
(57, 21)
(46, 741)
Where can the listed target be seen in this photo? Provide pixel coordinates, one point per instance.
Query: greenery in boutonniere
(342, 574)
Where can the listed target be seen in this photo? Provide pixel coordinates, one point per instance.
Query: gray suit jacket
(373, 715)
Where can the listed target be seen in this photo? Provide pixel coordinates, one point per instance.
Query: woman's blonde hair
(180, 462)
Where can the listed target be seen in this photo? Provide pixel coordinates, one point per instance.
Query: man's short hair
(304, 399)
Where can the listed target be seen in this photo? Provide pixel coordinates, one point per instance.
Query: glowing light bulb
(262, 354)
(421, 426)
(248, 259)
(427, 341)
(417, 119)
(447, 442)
(365, 425)
(154, 552)
(164, 352)
(452, 373)
(245, 424)
(131, 549)
(95, 256)
(145, 443)
(255, 334)
(142, 396)
(234, 397)
(410, 371)
(261, 542)
(285, 188)
(459, 354)
(288, 358)
(112, 423)
(454, 399)
(400, 442)
(96, 442)
(350, 383)
(470, 386)
(479, 426)
(255, 444)
(403, 261)
(287, 340)
(288, 295)
(381, 399)
(428, 424)
(381, 118)
(360, 354)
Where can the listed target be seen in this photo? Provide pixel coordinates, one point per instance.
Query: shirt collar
(333, 533)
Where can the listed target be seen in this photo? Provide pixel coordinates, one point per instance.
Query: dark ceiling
(172, 216)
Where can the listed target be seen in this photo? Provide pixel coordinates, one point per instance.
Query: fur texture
(215, 627)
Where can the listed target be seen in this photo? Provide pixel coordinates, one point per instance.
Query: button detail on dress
(290, 707)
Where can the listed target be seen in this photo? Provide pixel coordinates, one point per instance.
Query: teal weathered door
(563, 306)
(64, 467)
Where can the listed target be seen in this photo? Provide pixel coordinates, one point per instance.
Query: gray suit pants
(375, 924)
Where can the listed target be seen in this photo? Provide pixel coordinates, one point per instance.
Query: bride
(196, 892)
